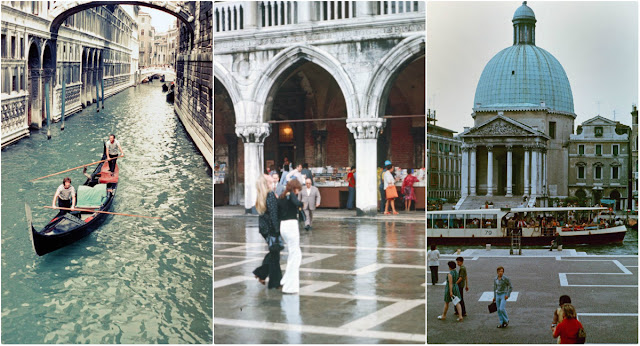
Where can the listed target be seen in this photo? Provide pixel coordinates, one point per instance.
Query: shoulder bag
(582, 336)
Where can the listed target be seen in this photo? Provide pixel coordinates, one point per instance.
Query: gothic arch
(272, 75)
(391, 65)
(226, 80)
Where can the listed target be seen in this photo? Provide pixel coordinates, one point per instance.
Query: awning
(607, 201)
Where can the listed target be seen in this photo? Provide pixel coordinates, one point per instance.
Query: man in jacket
(310, 198)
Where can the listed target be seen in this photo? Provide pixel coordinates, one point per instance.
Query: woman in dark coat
(269, 225)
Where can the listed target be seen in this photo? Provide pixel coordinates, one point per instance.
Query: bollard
(46, 99)
(488, 247)
(559, 247)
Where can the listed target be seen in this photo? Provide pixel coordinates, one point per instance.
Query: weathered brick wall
(194, 79)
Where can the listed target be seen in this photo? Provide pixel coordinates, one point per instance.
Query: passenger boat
(96, 194)
(490, 226)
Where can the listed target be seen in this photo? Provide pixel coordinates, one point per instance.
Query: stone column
(534, 171)
(365, 132)
(472, 173)
(465, 171)
(526, 171)
(544, 171)
(364, 8)
(489, 170)
(509, 171)
(253, 136)
(540, 171)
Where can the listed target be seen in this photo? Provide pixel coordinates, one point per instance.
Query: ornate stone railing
(14, 118)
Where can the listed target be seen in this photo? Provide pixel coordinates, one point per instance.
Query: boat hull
(591, 239)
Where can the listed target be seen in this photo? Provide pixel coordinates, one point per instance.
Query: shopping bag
(391, 192)
(455, 300)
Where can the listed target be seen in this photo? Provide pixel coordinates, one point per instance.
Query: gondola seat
(91, 197)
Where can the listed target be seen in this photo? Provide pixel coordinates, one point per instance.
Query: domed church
(523, 116)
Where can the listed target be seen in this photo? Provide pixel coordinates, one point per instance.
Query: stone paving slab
(603, 289)
(361, 282)
(328, 214)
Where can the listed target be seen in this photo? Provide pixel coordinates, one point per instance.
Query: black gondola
(66, 228)
(170, 96)
(164, 88)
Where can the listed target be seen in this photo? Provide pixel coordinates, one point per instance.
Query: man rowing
(65, 195)
(113, 146)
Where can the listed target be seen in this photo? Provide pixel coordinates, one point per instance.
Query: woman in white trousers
(288, 206)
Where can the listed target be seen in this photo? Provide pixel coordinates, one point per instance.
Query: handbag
(391, 192)
(582, 336)
(493, 307)
(301, 216)
(455, 300)
(275, 243)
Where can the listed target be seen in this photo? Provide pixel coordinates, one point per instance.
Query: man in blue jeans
(351, 179)
(501, 292)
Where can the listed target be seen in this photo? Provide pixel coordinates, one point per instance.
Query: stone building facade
(89, 45)
(165, 47)
(599, 161)
(330, 83)
(634, 158)
(194, 77)
(444, 155)
(146, 36)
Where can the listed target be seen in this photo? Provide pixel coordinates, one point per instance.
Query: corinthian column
(253, 136)
(472, 173)
(509, 171)
(465, 171)
(489, 170)
(365, 132)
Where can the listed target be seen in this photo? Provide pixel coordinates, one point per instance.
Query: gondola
(97, 193)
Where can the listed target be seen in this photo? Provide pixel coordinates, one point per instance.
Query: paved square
(361, 282)
(604, 291)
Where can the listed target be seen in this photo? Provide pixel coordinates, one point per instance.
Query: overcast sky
(159, 20)
(596, 43)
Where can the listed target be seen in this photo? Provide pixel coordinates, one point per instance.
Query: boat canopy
(91, 197)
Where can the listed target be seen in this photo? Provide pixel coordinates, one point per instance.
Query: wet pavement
(361, 282)
(604, 290)
(330, 214)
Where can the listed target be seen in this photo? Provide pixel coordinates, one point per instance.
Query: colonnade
(535, 172)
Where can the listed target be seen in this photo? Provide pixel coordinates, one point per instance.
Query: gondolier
(65, 195)
(113, 148)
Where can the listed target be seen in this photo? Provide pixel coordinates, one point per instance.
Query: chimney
(542, 104)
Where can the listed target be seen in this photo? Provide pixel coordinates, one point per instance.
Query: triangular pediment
(598, 120)
(502, 126)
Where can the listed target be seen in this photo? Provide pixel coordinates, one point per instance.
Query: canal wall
(193, 102)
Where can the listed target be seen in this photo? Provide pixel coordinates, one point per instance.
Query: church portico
(503, 158)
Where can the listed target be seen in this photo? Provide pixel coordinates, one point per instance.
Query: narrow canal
(133, 280)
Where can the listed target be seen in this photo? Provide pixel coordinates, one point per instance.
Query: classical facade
(598, 161)
(444, 153)
(523, 113)
(165, 47)
(85, 48)
(330, 83)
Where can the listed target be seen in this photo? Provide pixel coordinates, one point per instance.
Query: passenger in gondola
(113, 147)
(65, 195)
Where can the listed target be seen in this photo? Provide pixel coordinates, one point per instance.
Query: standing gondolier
(65, 195)
(112, 149)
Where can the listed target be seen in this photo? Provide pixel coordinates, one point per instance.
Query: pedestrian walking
(451, 292)
(408, 191)
(306, 173)
(288, 205)
(269, 227)
(558, 315)
(310, 198)
(390, 189)
(501, 291)
(433, 257)
(570, 330)
(351, 179)
(462, 283)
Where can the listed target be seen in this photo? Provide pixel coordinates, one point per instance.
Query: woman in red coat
(568, 329)
(408, 191)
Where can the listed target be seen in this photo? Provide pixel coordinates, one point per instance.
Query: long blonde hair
(262, 188)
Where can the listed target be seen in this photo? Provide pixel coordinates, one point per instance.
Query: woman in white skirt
(288, 205)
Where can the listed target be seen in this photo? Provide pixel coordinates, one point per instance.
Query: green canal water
(133, 280)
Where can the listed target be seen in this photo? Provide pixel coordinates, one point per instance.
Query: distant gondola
(97, 193)
(170, 96)
(164, 88)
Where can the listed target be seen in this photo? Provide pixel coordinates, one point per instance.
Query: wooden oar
(102, 212)
(71, 169)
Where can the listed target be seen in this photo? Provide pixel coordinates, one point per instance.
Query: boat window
(456, 220)
(429, 221)
(489, 221)
(441, 221)
(473, 220)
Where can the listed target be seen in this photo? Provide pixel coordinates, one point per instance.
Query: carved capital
(509, 147)
(365, 128)
(489, 147)
(253, 132)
